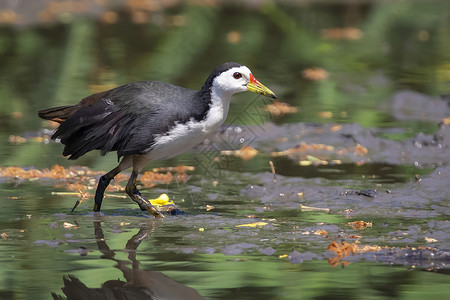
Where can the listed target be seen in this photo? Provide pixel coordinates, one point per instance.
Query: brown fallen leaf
(245, 153)
(302, 149)
(278, 109)
(17, 139)
(150, 179)
(359, 224)
(335, 128)
(344, 249)
(321, 232)
(353, 236)
(178, 169)
(446, 121)
(315, 74)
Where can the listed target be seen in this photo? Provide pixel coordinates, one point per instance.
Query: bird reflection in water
(140, 284)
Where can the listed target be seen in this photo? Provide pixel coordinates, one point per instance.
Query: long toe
(146, 206)
(156, 213)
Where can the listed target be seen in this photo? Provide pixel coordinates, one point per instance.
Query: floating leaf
(321, 232)
(344, 249)
(163, 199)
(245, 153)
(430, 240)
(359, 224)
(310, 208)
(69, 225)
(253, 225)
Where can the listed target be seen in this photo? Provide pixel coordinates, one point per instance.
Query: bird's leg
(136, 196)
(103, 183)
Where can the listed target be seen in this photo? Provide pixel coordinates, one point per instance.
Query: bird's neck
(219, 104)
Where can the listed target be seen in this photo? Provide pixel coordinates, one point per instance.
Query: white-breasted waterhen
(148, 120)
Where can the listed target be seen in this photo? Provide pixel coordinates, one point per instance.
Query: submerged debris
(245, 153)
(359, 224)
(367, 192)
(82, 180)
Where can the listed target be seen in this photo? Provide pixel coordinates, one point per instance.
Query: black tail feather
(58, 114)
(98, 126)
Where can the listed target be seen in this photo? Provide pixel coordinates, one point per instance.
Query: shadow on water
(139, 284)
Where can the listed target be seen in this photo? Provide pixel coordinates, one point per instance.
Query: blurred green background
(343, 58)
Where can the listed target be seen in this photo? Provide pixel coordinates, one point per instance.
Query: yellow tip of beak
(257, 87)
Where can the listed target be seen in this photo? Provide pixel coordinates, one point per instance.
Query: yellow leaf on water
(255, 224)
(163, 199)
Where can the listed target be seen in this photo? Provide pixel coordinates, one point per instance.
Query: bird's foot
(146, 206)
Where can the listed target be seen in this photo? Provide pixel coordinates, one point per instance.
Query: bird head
(238, 78)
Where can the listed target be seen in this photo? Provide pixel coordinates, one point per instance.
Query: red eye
(237, 75)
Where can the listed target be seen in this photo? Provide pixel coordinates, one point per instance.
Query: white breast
(183, 137)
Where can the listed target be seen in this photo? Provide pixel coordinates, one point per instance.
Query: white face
(233, 81)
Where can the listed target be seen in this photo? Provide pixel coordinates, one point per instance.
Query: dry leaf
(359, 224)
(278, 109)
(315, 74)
(344, 249)
(446, 121)
(335, 128)
(321, 232)
(245, 153)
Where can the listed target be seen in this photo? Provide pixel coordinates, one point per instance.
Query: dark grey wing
(162, 105)
(127, 119)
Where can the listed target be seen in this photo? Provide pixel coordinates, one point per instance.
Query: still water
(367, 86)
